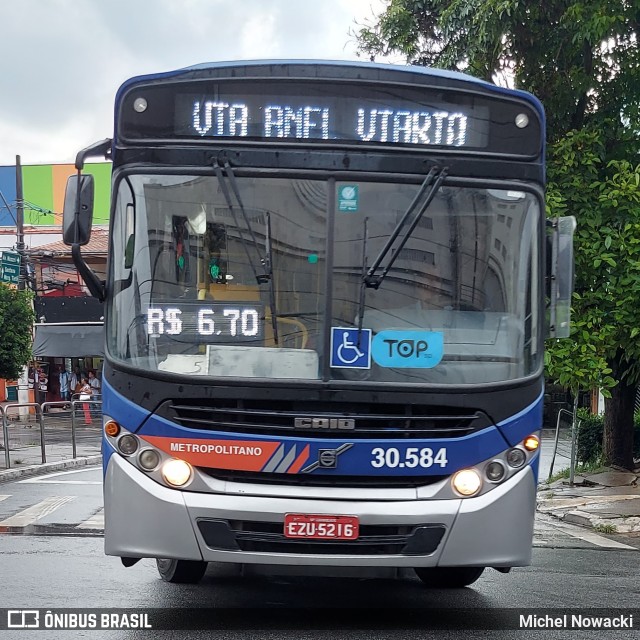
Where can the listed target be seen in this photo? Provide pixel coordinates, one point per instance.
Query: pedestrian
(74, 380)
(85, 389)
(94, 383)
(64, 379)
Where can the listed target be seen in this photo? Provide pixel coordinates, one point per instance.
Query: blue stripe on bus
(361, 456)
(357, 460)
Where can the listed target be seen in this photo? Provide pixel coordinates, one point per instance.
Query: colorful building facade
(43, 187)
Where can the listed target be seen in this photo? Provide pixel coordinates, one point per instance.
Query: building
(69, 321)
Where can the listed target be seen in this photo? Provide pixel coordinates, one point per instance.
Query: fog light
(148, 459)
(516, 458)
(495, 471)
(531, 443)
(176, 472)
(128, 444)
(466, 482)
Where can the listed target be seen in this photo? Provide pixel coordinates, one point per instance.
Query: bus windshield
(262, 277)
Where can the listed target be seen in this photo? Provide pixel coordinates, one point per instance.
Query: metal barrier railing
(567, 447)
(68, 413)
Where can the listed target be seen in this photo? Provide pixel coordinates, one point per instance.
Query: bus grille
(268, 537)
(367, 420)
(329, 480)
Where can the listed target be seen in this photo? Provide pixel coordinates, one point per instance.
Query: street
(52, 557)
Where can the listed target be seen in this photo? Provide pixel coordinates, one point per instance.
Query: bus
(329, 285)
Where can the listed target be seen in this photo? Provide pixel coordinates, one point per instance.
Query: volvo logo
(328, 458)
(324, 423)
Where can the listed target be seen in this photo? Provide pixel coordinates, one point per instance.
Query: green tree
(16, 327)
(582, 59)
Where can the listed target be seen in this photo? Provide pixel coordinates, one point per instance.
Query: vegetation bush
(589, 447)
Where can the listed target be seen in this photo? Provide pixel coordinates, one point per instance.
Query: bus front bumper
(144, 519)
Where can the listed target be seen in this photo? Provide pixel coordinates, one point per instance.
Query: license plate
(320, 527)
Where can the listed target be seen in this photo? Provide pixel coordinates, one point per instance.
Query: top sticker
(408, 349)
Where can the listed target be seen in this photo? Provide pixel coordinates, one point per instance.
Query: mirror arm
(102, 148)
(95, 285)
(553, 281)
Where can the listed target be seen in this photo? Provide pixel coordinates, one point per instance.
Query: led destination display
(277, 119)
(373, 116)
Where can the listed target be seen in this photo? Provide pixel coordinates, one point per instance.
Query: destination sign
(277, 119)
(376, 118)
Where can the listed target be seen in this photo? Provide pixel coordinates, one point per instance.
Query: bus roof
(427, 71)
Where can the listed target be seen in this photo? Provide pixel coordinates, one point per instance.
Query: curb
(7, 475)
(581, 518)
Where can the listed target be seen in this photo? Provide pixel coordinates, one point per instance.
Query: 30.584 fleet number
(411, 458)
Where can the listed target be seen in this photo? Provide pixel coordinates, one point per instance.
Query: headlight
(149, 459)
(128, 444)
(467, 482)
(176, 472)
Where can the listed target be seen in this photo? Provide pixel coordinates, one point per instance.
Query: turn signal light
(531, 443)
(112, 428)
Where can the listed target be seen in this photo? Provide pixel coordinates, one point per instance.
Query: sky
(62, 61)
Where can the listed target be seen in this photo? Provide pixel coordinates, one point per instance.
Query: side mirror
(78, 209)
(561, 276)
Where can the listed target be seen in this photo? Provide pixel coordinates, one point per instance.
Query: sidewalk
(608, 502)
(27, 461)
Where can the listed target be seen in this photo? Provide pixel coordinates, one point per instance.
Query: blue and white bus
(325, 318)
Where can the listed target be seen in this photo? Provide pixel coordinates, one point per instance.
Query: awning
(68, 340)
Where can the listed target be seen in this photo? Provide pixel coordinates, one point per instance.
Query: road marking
(593, 538)
(4, 498)
(37, 511)
(96, 521)
(64, 482)
(44, 479)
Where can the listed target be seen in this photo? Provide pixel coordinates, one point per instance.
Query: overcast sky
(62, 61)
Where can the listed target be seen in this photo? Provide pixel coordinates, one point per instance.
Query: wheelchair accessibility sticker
(408, 349)
(350, 348)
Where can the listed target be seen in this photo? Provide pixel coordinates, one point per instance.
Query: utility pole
(23, 382)
(20, 225)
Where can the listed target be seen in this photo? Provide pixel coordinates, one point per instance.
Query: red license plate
(321, 527)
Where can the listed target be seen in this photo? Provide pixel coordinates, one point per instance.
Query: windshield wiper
(268, 265)
(370, 280)
(422, 200)
(265, 260)
(261, 278)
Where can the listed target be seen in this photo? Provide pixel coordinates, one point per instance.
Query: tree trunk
(617, 442)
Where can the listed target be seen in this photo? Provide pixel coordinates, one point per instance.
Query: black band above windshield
(325, 113)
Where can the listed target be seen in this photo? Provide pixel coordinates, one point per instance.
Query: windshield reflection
(190, 302)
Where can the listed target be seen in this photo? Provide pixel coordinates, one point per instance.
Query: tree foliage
(582, 59)
(16, 326)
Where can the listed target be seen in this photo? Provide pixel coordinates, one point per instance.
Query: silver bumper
(144, 519)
